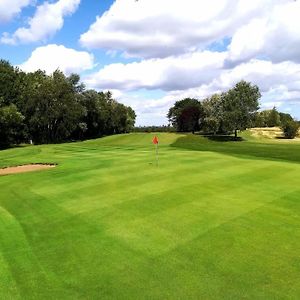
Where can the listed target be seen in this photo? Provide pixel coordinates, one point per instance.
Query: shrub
(290, 129)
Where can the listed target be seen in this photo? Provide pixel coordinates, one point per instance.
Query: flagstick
(156, 154)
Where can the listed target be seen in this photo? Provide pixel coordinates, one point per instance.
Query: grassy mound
(214, 220)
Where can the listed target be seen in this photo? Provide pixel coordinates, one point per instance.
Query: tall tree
(11, 125)
(239, 106)
(213, 112)
(96, 113)
(131, 116)
(290, 129)
(8, 89)
(273, 118)
(285, 117)
(104, 115)
(53, 110)
(186, 115)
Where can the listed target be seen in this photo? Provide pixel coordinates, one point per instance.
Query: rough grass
(215, 220)
(269, 133)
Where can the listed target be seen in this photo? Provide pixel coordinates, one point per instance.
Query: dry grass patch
(267, 132)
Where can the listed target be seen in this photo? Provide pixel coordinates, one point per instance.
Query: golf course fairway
(214, 220)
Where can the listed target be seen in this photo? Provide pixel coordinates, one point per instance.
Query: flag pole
(155, 141)
(156, 154)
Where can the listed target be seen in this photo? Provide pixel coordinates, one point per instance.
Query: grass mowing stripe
(219, 223)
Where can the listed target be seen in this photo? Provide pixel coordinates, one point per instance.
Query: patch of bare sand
(25, 168)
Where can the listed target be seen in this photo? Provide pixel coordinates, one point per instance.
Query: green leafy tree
(239, 106)
(211, 125)
(259, 120)
(213, 112)
(13, 85)
(56, 108)
(104, 115)
(8, 89)
(131, 117)
(96, 113)
(273, 118)
(186, 115)
(78, 87)
(284, 118)
(11, 125)
(290, 129)
(53, 111)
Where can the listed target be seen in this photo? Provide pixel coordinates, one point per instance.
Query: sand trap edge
(10, 170)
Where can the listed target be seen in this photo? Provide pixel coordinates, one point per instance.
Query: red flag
(155, 140)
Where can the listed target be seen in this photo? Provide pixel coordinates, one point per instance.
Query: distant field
(215, 220)
(268, 133)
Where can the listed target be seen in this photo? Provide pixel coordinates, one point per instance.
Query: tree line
(229, 112)
(54, 108)
(154, 128)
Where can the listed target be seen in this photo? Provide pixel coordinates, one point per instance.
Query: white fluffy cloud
(194, 70)
(155, 28)
(274, 35)
(171, 73)
(195, 75)
(181, 51)
(265, 74)
(10, 8)
(279, 83)
(52, 57)
(254, 40)
(48, 19)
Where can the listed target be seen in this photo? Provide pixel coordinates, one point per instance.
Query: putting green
(214, 220)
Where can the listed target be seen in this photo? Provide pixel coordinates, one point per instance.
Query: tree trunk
(235, 133)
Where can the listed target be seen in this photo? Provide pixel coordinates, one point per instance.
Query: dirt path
(25, 168)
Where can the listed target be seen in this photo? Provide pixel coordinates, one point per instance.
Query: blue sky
(68, 35)
(150, 53)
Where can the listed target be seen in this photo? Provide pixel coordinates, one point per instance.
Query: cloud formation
(194, 70)
(10, 8)
(155, 28)
(195, 48)
(274, 35)
(171, 73)
(47, 20)
(191, 48)
(195, 75)
(53, 57)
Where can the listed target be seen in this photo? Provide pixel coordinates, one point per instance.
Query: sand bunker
(25, 168)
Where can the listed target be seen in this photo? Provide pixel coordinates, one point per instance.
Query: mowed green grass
(215, 220)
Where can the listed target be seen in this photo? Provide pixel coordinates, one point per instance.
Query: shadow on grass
(5, 146)
(267, 151)
(223, 138)
(284, 138)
